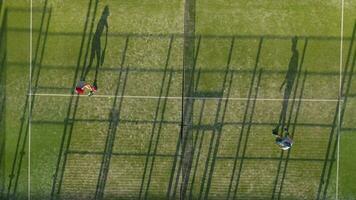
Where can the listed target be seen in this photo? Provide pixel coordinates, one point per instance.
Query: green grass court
(189, 92)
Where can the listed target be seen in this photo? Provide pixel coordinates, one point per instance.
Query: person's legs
(98, 61)
(91, 59)
(275, 131)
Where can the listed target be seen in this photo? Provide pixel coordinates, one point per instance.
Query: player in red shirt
(81, 86)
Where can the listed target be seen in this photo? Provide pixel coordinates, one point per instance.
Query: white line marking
(179, 98)
(340, 103)
(29, 109)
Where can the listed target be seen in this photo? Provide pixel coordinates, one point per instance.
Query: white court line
(29, 109)
(179, 97)
(340, 103)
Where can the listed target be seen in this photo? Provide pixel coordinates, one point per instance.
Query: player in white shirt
(284, 142)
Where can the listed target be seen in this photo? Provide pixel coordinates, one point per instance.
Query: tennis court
(189, 92)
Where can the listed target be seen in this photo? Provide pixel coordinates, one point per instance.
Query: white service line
(179, 97)
(340, 103)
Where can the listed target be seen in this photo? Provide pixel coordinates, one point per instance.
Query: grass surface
(146, 152)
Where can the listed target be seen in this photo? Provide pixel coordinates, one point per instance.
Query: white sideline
(179, 97)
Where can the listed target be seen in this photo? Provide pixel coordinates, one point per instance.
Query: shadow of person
(289, 82)
(96, 51)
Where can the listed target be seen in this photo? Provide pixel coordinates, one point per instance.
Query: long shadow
(184, 125)
(189, 165)
(289, 82)
(344, 94)
(296, 115)
(189, 62)
(154, 126)
(113, 125)
(278, 184)
(60, 165)
(244, 120)
(96, 51)
(24, 125)
(299, 68)
(219, 119)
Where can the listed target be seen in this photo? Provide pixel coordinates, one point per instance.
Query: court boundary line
(180, 97)
(341, 100)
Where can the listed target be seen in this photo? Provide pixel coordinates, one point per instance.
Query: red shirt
(79, 90)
